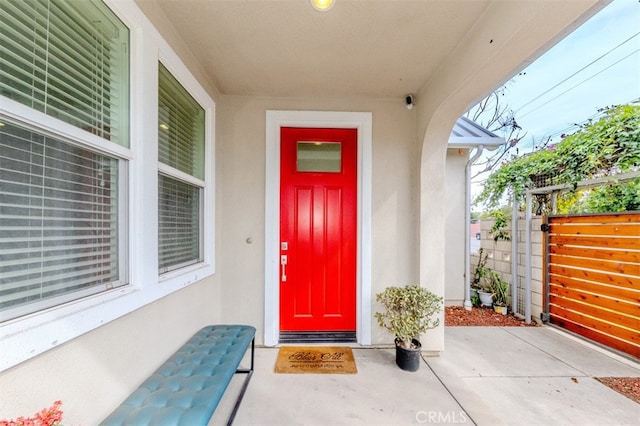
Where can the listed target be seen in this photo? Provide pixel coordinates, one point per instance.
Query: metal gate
(593, 277)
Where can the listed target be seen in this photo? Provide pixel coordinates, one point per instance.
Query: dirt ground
(456, 316)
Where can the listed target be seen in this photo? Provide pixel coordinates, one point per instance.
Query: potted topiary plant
(408, 313)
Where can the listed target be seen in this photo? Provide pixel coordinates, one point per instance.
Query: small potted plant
(408, 313)
(499, 290)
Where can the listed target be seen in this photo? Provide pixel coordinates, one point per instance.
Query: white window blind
(181, 148)
(181, 135)
(58, 221)
(60, 199)
(179, 236)
(68, 59)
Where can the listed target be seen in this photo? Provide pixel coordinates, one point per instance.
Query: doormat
(315, 360)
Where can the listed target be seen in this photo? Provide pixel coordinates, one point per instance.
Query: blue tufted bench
(187, 388)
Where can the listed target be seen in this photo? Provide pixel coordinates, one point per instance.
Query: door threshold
(317, 337)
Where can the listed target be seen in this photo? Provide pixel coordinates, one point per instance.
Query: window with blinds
(179, 222)
(58, 227)
(61, 200)
(68, 59)
(181, 152)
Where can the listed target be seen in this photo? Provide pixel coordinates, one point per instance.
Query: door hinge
(545, 227)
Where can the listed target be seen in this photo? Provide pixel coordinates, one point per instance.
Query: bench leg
(249, 373)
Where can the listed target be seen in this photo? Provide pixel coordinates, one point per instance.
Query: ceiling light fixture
(322, 5)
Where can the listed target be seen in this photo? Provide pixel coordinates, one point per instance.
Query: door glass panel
(319, 157)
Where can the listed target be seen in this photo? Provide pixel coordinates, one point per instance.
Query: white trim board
(362, 121)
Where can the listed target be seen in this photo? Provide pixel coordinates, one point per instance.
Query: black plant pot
(408, 359)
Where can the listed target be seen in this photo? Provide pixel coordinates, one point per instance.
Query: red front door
(318, 229)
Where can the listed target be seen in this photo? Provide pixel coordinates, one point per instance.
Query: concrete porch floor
(485, 376)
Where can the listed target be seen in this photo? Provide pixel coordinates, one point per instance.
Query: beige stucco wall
(455, 225)
(242, 198)
(107, 363)
(92, 373)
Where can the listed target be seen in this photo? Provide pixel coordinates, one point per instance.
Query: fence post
(527, 255)
(544, 316)
(514, 254)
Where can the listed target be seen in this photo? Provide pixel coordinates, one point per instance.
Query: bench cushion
(187, 388)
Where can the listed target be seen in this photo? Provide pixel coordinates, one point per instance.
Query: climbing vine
(607, 146)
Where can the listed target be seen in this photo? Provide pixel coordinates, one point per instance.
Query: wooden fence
(593, 272)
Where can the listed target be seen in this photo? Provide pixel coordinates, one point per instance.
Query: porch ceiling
(285, 48)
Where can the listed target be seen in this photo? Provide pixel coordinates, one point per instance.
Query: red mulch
(459, 316)
(627, 386)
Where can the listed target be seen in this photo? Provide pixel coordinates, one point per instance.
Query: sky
(597, 65)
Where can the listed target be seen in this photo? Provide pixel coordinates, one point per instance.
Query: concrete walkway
(485, 376)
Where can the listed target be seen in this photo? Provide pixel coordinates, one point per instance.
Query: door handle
(283, 264)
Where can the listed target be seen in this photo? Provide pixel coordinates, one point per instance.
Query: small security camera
(409, 101)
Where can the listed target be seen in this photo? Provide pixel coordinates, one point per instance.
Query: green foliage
(408, 312)
(607, 146)
(487, 280)
(609, 198)
(498, 288)
(475, 300)
(499, 223)
(480, 271)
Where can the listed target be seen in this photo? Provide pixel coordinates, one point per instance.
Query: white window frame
(36, 333)
(363, 122)
(191, 273)
(186, 178)
(41, 123)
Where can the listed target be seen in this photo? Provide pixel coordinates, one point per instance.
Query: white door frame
(362, 121)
